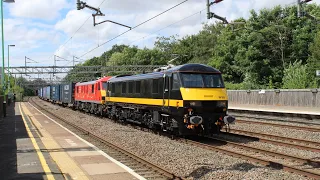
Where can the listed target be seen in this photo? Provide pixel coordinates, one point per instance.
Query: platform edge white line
(131, 171)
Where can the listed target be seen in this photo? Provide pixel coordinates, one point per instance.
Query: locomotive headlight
(222, 103)
(195, 103)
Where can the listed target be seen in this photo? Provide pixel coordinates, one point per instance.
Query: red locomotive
(90, 96)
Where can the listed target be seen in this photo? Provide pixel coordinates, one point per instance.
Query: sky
(40, 29)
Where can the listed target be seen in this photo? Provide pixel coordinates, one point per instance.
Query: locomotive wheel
(100, 111)
(150, 123)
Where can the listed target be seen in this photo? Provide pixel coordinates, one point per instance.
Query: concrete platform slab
(103, 168)
(118, 176)
(22, 155)
(93, 152)
(91, 159)
(75, 156)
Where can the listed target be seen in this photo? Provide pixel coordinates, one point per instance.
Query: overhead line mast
(136, 26)
(213, 15)
(82, 5)
(301, 12)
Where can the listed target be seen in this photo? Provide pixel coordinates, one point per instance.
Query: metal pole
(54, 67)
(4, 104)
(8, 71)
(299, 7)
(2, 32)
(208, 9)
(25, 64)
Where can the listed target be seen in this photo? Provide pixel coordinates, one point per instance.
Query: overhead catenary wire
(168, 26)
(144, 23)
(79, 28)
(133, 28)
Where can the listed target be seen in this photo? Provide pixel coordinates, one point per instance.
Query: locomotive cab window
(213, 80)
(202, 80)
(104, 85)
(92, 88)
(175, 82)
(98, 86)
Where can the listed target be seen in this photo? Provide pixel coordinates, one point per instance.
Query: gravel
(275, 148)
(279, 131)
(280, 117)
(299, 124)
(182, 159)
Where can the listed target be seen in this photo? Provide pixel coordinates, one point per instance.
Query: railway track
(312, 129)
(254, 154)
(277, 140)
(249, 153)
(315, 164)
(141, 166)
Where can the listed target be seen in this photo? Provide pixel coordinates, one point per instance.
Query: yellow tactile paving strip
(36, 147)
(62, 159)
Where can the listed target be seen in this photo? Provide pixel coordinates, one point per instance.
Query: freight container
(55, 93)
(44, 93)
(67, 93)
(48, 93)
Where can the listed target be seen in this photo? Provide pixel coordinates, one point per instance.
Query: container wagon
(44, 93)
(67, 94)
(48, 93)
(39, 91)
(55, 93)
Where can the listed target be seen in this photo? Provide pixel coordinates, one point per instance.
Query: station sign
(318, 72)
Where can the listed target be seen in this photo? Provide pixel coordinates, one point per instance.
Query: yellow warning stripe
(147, 101)
(38, 150)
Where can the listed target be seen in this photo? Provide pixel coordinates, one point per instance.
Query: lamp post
(9, 66)
(2, 33)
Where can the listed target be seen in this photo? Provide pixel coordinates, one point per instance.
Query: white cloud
(26, 33)
(20, 33)
(134, 12)
(39, 9)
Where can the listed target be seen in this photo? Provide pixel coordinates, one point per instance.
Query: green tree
(295, 76)
(256, 54)
(314, 61)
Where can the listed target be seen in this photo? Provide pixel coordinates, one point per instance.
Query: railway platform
(276, 109)
(34, 146)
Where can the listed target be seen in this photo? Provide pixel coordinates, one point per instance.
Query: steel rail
(264, 162)
(313, 129)
(127, 153)
(272, 153)
(262, 138)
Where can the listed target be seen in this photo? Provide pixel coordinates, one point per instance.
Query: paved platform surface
(34, 146)
(19, 159)
(278, 109)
